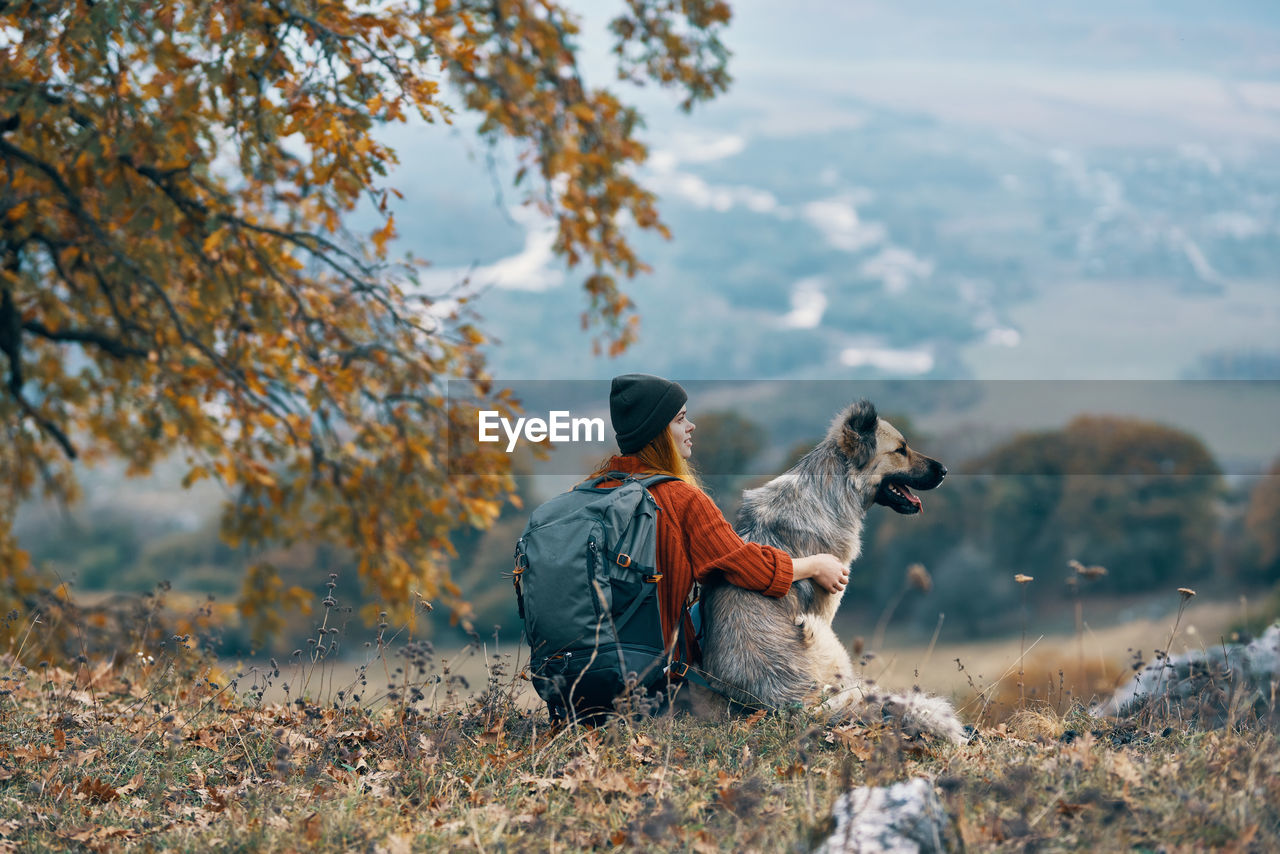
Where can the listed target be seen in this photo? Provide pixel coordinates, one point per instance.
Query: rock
(904, 817)
(1213, 687)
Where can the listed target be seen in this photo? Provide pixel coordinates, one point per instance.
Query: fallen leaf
(1067, 809)
(610, 781)
(705, 843)
(795, 769)
(855, 742)
(1080, 751)
(1119, 764)
(80, 758)
(538, 782)
(95, 789)
(94, 834)
(395, 843)
(207, 739)
(311, 827)
(295, 740)
(130, 787)
(38, 754)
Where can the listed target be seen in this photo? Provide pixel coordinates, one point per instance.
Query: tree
(176, 277)
(1262, 524)
(1137, 497)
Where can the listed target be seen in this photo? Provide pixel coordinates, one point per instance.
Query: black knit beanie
(641, 406)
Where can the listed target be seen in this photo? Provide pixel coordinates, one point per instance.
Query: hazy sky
(1088, 72)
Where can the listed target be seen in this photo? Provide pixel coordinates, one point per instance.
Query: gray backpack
(586, 586)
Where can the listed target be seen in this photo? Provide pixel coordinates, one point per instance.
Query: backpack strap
(652, 573)
(684, 670)
(623, 477)
(655, 479)
(620, 476)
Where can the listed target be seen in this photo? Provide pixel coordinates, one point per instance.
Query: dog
(762, 652)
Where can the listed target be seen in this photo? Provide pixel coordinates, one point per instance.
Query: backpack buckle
(653, 579)
(624, 560)
(679, 669)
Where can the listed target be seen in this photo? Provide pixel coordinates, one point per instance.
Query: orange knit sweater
(695, 541)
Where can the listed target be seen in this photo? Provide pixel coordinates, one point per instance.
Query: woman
(655, 436)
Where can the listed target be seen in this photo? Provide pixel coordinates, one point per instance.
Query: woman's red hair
(660, 456)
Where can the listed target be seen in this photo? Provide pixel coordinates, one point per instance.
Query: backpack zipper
(591, 573)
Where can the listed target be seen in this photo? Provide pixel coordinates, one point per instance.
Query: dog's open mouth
(897, 496)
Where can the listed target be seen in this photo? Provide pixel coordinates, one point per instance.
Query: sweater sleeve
(712, 545)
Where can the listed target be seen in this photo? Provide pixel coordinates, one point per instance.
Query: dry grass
(160, 752)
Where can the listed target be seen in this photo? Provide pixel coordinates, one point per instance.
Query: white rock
(1211, 685)
(906, 817)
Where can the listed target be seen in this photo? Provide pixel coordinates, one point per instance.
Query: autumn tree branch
(111, 346)
(11, 346)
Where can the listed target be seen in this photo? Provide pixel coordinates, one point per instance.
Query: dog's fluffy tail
(915, 713)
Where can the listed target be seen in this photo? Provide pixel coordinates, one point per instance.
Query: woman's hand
(826, 570)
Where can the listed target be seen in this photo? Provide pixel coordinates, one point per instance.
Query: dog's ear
(858, 432)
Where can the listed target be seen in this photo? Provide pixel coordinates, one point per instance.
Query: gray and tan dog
(771, 653)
